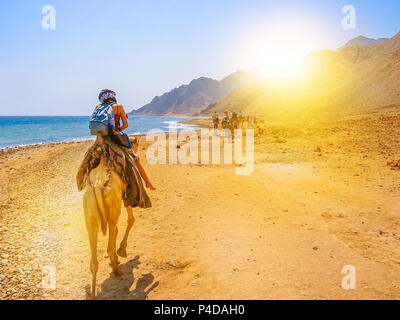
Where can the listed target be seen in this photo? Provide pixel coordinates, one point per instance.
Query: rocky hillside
(364, 41)
(351, 77)
(194, 97)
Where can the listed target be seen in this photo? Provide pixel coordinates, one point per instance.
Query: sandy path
(286, 231)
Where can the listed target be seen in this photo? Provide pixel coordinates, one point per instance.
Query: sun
(283, 66)
(278, 54)
(278, 60)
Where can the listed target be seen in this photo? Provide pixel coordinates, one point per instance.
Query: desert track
(322, 196)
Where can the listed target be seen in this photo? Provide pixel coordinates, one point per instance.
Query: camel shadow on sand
(118, 288)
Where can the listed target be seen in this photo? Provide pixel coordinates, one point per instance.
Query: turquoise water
(19, 131)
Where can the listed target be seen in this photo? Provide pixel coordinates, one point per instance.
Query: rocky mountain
(194, 97)
(364, 41)
(350, 77)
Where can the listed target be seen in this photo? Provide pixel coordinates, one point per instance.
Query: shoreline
(12, 149)
(203, 123)
(173, 126)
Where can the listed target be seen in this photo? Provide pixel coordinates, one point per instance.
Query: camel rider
(107, 96)
(235, 120)
(225, 120)
(215, 119)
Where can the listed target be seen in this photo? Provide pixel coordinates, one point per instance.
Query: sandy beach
(322, 196)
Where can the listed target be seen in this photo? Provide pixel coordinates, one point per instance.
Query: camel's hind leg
(124, 243)
(114, 210)
(111, 249)
(92, 218)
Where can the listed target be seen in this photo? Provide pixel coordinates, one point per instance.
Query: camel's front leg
(124, 243)
(92, 226)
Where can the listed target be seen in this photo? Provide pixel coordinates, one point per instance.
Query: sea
(16, 131)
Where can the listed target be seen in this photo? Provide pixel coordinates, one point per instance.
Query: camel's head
(135, 144)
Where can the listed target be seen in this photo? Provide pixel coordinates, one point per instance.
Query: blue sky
(143, 48)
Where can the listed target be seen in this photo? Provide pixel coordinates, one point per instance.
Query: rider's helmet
(107, 96)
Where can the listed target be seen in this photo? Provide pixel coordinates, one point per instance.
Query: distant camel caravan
(102, 200)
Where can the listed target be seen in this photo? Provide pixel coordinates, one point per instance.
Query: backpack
(102, 120)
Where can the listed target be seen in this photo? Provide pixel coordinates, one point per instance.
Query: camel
(102, 206)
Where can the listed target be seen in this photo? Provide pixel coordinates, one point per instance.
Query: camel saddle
(123, 161)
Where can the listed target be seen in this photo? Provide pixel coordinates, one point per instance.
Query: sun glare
(278, 54)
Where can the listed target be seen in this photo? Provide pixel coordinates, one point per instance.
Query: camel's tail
(102, 210)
